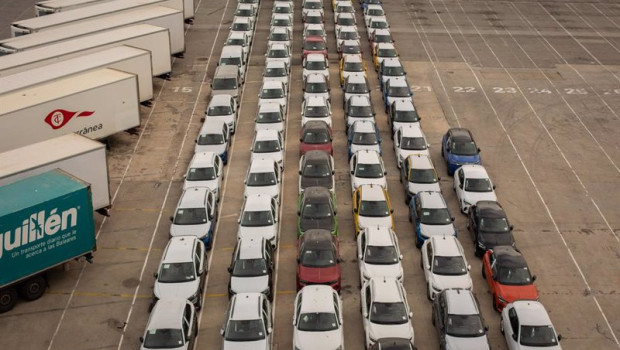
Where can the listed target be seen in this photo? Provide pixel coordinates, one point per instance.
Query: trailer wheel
(8, 299)
(33, 288)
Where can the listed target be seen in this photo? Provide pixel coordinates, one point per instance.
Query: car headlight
(481, 245)
(372, 340)
(194, 297)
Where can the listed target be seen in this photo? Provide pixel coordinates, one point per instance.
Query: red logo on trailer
(60, 117)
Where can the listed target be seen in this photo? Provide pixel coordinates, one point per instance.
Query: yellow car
(371, 207)
(382, 51)
(351, 64)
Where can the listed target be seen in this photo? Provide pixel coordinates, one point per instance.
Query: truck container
(78, 155)
(85, 14)
(48, 7)
(122, 58)
(45, 221)
(94, 104)
(143, 36)
(160, 16)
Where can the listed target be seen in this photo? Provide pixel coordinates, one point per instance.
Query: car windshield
(464, 148)
(413, 143)
(272, 93)
(365, 138)
(515, 276)
(217, 111)
(410, 116)
(375, 12)
(348, 35)
(478, 185)
(163, 338)
(353, 67)
(499, 225)
(377, 209)
(345, 9)
(278, 53)
(313, 5)
(317, 322)
(383, 39)
(176, 272)
(351, 49)
(201, 174)
(283, 9)
(190, 216)
(449, 266)
(360, 111)
(394, 71)
(230, 61)
(439, 216)
(279, 37)
(316, 211)
(225, 84)
(316, 111)
(240, 27)
(257, 218)
(316, 137)
(538, 336)
(388, 313)
(316, 87)
(318, 258)
(316, 32)
(423, 176)
(346, 21)
(399, 91)
(356, 88)
(276, 72)
(381, 255)
(280, 22)
(314, 19)
(369, 171)
(248, 1)
(249, 268)
(464, 326)
(266, 146)
(317, 170)
(269, 117)
(316, 65)
(210, 139)
(261, 179)
(235, 42)
(244, 13)
(386, 53)
(245, 330)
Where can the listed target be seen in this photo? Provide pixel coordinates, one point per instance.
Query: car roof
(231, 50)
(420, 161)
(367, 156)
(317, 194)
(317, 238)
(374, 6)
(262, 165)
(385, 46)
(316, 156)
(279, 29)
(350, 42)
(272, 84)
(246, 306)
(278, 46)
(257, 202)
(244, 6)
(179, 249)
(315, 101)
(461, 134)
(531, 313)
(269, 107)
(404, 104)
(359, 100)
(385, 289)
(193, 197)
(364, 126)
(474, 171)
(397, 81)
(281, 16)
(432, 200)
(266, 134)
(213, 126)
(353, 58)
(315, 125)
(490, 209)
(379, 236)
(238, 35)
(220, 100)
(356, 79)
(461, 302)
(345, 14)
(391, 62)
(167, 313)
(251, 248)
(372, 192)
(381, 31)
(509, 256)
(316, 78)
(445, 246)
(241, 19)
(202, 159)
(411, 130)
(315, 57)
(317, 298)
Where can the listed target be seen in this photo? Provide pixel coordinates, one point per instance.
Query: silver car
(248, 324)
(251, 268)
(172, 325)
(195, 215)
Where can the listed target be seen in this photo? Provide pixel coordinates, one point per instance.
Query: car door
(366, 303)
(397, 137)
(427, 258)
(511, 330)
(459, 179)
(356, 202)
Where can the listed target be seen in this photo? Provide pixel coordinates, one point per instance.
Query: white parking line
(525, 167)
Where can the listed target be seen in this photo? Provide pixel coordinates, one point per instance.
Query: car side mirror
(300, 172)
(269, 330)
(439, 178)
(230, 269)
(298, 260)
(352, 172)
(355, 210)
(452, 218)
(400, 257)
(301, 139)
(155, 275)
(411, 315)
(486, 328)
(142, 339)
(468, 267)
(333, 172)
(385, 173)
(391, 211)
(512, 227)
(171, 219)
(514, 336)
(298, 212)
(222, 332)
(494, 186)
(559, 337)
(479, 150)
(533, 278)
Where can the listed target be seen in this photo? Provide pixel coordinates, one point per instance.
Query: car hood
(326, 182)
(467, 343)
(211, 184)
(305, 147)
(392, 330)
(355, 148)
(307, 95)
(475, 197)
(445, 282)
(272, 191)
(322, 223)
(280, 100)
(417, 187)
(182, 290)
(277, 156)
(404, 153)
(269, 126)
(324, 340)
(365, 221)
(465, 159)
(268, 232)
(190, 230)
(371, 270)
(364, 181)
(245, 345)
(231, 92)
(512, 293)
(327, 120)
(437, 230)
(249, 284)
(318, 274)
(217, 149)
(491, 240)
(282, 79)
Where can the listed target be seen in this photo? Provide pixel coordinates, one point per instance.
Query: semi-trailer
(48, 7)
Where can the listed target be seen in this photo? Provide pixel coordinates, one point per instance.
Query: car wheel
(495, 306)
(418, 242)
(428, 292)
(484, 274)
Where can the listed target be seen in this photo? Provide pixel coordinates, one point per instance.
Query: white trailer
(48, 7)
(124, 58)
(143, 36)
(37, 24)
(79, 156)
(94, 104)
(160, 16)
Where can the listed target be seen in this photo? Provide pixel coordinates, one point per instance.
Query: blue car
(458, 148)
(429, 213)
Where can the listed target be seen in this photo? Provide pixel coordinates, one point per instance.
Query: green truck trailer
(45, 221)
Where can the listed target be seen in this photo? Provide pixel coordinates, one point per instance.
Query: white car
(259, 218)
(373, 10)
(526, 325)
(214, 136)
(401, 113)
(316, 85)
(278, 52)
(264, 176)
(346, 33)
(313, 17)
(343, 7)
(367, 168)
(282, 20)
(383, 51)
(363, 135)
(409, 140)
(270, 116)
(345, 20)
(316, 108)
(378, 254)
(472, 184)
(205, 170)
(285, 7)
(376, 22)
(273, 92)
(280, 35)
(244, 25)
(172, 320)
(315, 63)
(391, 68)
(444, 265)
(195, 215)
(385, 311)
(359, 107)
(223, 107)
(246, 10)
(277, 71)
(248, 324)
(251, 268)
(355, 84)
(253, 3)
(317, 319)
(308, 5)
(314, 30)
(240, 39)
(268, 144)
(396, 89)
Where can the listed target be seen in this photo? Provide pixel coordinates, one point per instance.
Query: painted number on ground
(185, 89)
(538, 91)
(504, 90)
(571, 91)
(416, 88)
(611, 91)
(464, 89)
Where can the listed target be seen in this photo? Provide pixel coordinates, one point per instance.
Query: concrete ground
(537, 82)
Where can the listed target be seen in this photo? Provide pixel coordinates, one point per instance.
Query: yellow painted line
(227, 248)
(135, 209)
(286, 292)
(101, 294)
(140, 249)
(216, 295)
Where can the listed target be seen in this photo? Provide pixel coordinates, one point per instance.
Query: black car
(458, 321)
(316, 169)
(392, 344)
(489, 226)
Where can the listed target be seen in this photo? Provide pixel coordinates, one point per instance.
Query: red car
(318, 259)
(314, 44)
(508, 276)
(316, 135)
